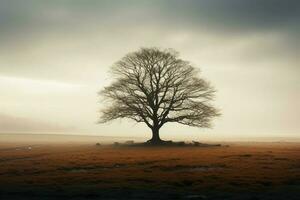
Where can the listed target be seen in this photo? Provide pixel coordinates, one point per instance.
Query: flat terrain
(87, 171)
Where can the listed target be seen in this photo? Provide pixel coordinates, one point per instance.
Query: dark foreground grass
(94, 172)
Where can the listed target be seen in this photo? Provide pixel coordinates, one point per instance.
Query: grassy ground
(240, 171)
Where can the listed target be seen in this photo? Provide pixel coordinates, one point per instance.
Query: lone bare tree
(155, 87)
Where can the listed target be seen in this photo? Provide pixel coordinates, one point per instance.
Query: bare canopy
(156, 87)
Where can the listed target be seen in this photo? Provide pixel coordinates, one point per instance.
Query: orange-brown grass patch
(222, 168)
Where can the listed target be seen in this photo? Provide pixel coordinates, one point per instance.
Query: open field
(86, 171)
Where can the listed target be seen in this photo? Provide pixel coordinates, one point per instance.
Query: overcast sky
(55, 56)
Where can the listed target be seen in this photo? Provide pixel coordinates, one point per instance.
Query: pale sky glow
(36, 86)
(55, 57)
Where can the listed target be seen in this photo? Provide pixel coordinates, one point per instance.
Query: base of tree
(168, 143)
(158, 142)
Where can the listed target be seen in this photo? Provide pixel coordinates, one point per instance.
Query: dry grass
(236, 168)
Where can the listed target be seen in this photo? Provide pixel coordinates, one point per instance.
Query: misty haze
(137, 99)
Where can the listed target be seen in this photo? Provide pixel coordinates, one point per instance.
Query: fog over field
(55, 57)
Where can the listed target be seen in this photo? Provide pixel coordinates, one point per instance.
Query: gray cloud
(33, 30)
(228, 15)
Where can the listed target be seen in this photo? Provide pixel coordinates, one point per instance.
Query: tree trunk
(155, 136)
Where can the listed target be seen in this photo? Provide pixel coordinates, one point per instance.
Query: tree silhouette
(156, 87)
